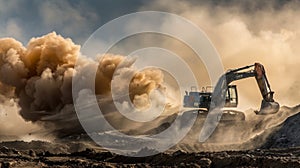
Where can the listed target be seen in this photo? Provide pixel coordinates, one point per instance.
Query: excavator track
(233, 115)
(228, 115)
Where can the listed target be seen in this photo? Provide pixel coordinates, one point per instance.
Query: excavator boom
(268, 105)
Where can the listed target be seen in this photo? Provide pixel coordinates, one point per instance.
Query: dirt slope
(262, 141)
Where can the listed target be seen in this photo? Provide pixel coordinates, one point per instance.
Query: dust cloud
(38, 79)
(244, 33)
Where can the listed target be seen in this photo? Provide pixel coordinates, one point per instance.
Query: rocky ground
(268, 141)
(11, 157)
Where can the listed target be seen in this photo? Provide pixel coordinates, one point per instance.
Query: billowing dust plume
(245, 32)
(39, 78)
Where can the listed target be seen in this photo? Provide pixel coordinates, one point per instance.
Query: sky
(71, 18)
(78, 19)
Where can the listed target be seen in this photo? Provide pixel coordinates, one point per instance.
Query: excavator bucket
(268, 108)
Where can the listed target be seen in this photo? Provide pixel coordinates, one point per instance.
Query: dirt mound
(52, 147)
(286, 134)
(239, 144)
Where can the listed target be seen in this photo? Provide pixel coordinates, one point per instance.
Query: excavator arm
(268, 105)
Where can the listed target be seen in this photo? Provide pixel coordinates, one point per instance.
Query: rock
(182, 164)
(32, 153)
(179, 153)
(205, 162)
(7, 164)
(9, 151)
(4, 149)
(195, 165)
(224, 154)
(47, 153)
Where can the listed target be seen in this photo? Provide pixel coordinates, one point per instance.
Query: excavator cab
(231, 99)
(196, 99)
(202, 99)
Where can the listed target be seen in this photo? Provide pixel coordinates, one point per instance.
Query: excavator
(225, 95)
